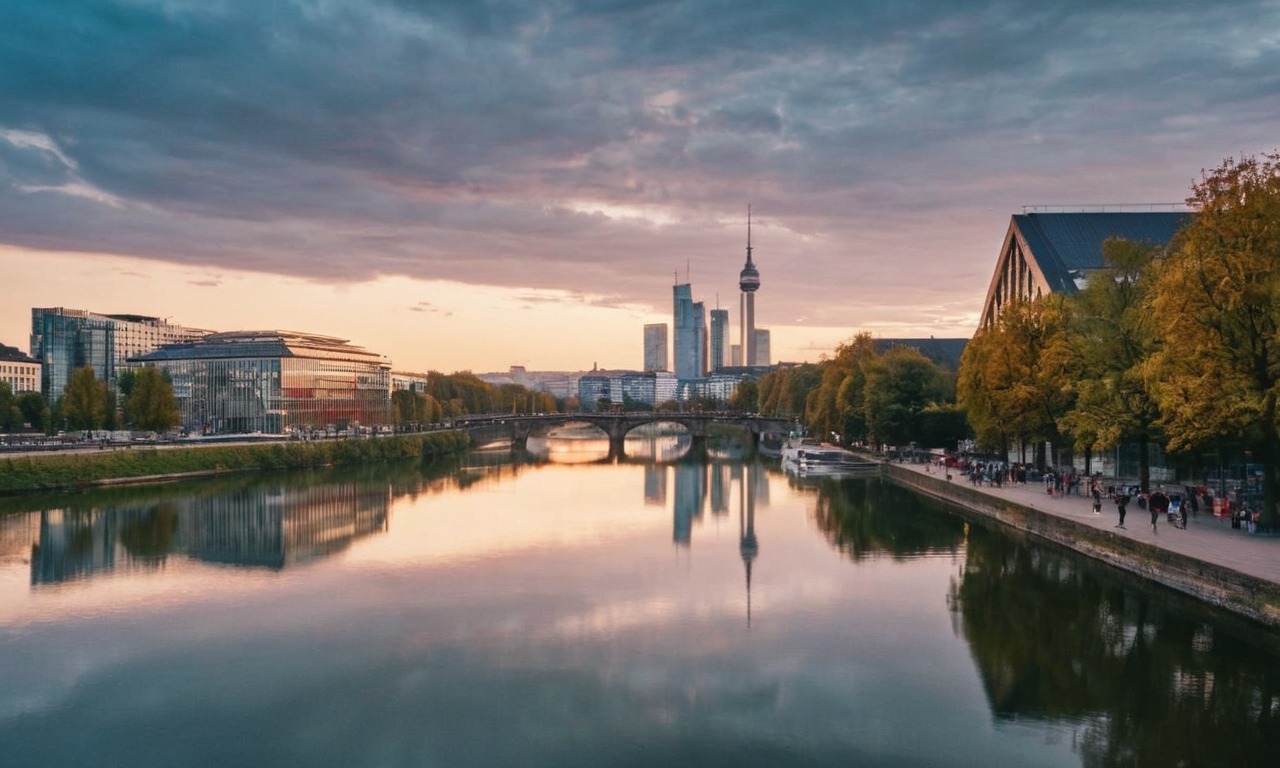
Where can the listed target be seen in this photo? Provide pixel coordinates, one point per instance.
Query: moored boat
(806, 456)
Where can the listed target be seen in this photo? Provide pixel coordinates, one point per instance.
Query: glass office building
(63, 340)
(275, 382)
(690, 333)
(655, 347)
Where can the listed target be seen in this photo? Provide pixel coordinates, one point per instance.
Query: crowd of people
(1174, 504)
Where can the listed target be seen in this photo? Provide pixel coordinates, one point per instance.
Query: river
(552, 611)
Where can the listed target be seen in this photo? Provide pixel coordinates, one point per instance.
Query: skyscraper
(690, 333)
(762, 347)
(719, 346)
(655, 347)
(749, 282)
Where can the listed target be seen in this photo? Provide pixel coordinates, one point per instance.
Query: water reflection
(1151, 685)
(864, 517)
(260, 526)
(661, 442)
(1141, 677)
(537, 614)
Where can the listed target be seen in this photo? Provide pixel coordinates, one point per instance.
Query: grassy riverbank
(54, 471)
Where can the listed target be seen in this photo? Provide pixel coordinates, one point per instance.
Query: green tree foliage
(1012, 377)
(10, 413)
(464, 393)
(84, 400)
(900, 384)
(1109, 342)
(1217, 308)
(151, 404)
(861, 395)
(838, 404)
(746, 398)
(411, 409)
(785, 392)
(35, 411)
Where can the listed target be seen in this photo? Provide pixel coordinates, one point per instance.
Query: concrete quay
(1209, 560)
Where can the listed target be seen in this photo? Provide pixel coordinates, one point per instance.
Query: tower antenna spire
(748, 233)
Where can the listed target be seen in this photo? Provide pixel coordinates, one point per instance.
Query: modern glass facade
(66, 339)
(655, 347)
(763, 353)
(591, 390)
(275, 382)
(690, 333)
(650, 388)
(719, 348)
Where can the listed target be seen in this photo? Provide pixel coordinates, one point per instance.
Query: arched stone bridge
(614, 424)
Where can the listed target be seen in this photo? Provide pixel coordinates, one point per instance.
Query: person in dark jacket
(1122, 501)
(1158, 504)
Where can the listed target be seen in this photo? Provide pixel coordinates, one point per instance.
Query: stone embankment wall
(1252, 598)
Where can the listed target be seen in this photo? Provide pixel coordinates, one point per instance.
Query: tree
(10, 413)
(152, 406)
(1216, 306)
(900, 384)
(837, 405)
(1109, 343)
(84, 400)
(35, 411)
(746, 397)
(1011, 378)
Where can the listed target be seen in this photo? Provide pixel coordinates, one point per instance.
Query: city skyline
(470, 186)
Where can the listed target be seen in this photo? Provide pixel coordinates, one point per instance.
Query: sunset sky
(481, 183)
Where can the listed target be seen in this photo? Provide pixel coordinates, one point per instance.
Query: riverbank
(45, 472)
(1233, 570)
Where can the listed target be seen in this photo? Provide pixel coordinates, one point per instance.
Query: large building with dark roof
(275, 382)
(1047, 253)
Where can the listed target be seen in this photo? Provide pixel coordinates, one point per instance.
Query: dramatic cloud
(599, 148)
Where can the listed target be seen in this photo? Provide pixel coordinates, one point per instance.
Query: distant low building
(275, 382)
(650, 388)
(593, 389)
(19, 370)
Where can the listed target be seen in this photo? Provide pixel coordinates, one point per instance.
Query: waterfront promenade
(1206, 538)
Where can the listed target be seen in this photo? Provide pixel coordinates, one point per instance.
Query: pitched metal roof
(1066, 244)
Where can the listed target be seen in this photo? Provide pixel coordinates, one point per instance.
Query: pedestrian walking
(1122, 501)
(1096, 492)
(1157, 504)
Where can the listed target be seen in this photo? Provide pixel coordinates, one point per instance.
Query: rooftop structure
(19, 370)
(1047, 253)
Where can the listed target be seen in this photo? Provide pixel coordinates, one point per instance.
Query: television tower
(749, 282)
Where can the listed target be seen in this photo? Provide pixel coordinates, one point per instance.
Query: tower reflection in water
(691, 484)
(261, 526)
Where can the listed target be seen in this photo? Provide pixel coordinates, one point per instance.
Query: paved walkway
(1207, 538)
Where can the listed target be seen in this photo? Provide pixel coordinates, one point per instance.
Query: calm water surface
(563, 613)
